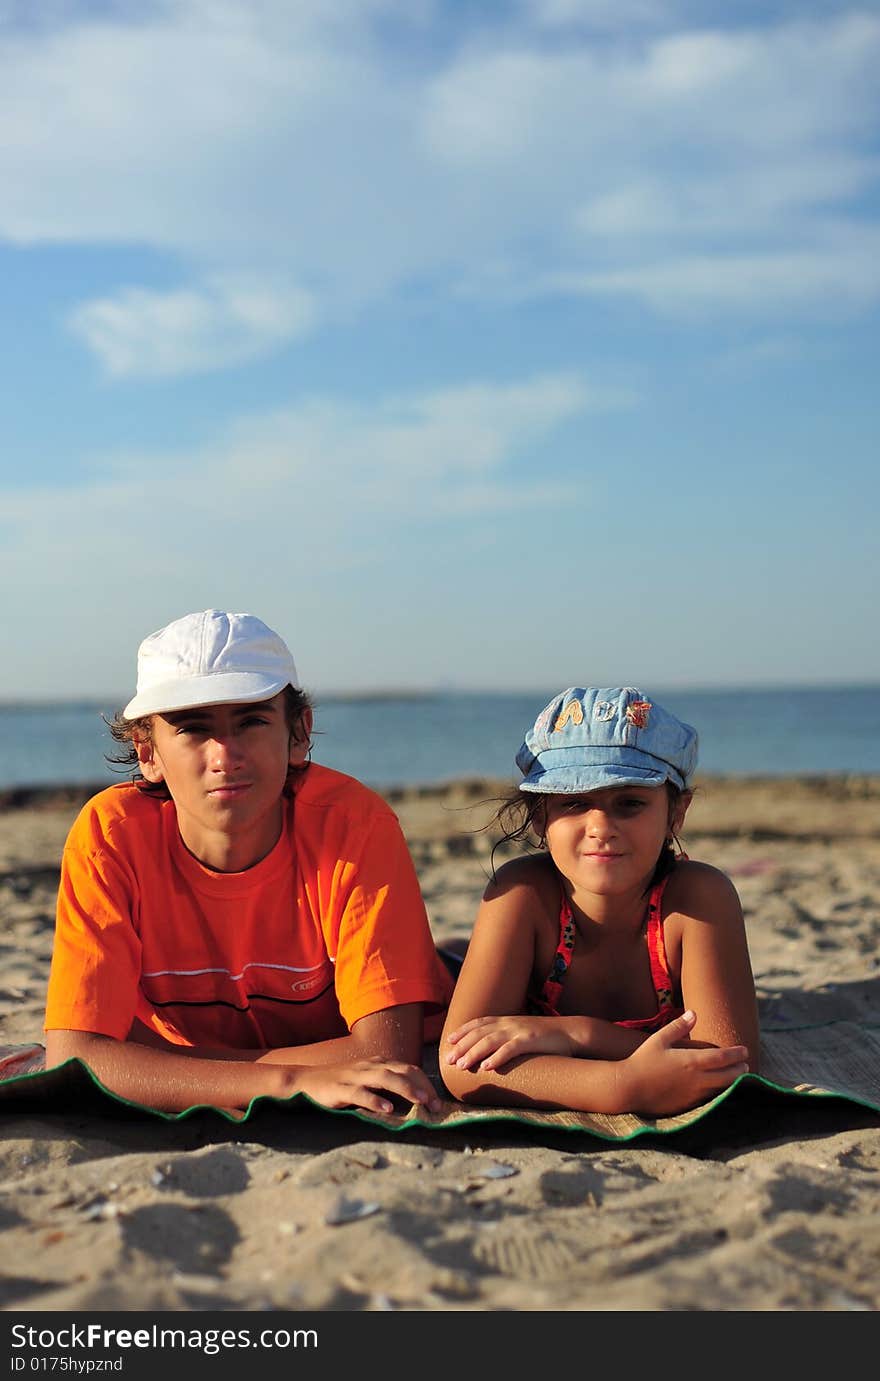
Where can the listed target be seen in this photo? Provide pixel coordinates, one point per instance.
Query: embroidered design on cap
(542, 723)
(573, 711)
(637, 713)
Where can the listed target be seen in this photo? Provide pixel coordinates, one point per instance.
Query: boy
(238, 921)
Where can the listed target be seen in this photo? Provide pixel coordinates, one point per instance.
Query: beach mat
(834, 1057)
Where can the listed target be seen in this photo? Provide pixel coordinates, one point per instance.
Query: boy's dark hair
(123, 732)
(518, 810)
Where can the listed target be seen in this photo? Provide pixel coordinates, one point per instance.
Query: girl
(608, 973)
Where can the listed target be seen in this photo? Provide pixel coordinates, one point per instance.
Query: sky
(501, 344)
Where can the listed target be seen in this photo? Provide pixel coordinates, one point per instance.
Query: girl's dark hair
(515, 818)
(125, 731)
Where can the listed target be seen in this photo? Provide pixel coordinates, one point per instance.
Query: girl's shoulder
(534, 874)
(693, 885)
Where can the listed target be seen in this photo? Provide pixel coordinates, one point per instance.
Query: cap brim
(568, 781)
(223, 688)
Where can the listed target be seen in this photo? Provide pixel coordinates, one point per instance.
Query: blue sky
(517, 344)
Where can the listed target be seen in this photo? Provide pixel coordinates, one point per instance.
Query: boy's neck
(231, 852)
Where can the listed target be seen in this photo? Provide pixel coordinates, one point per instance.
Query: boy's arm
(376, 928)
(393, 1034)
(171, 1081)
(166, 1079)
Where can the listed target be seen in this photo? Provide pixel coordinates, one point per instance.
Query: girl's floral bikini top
(546, 1002)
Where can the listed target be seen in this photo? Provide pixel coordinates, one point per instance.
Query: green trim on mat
(811, 1092)
(75, 1062)
(477, 1117)
(466, 1116)
(819, 1025)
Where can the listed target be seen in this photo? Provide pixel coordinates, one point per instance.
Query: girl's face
(608, 842)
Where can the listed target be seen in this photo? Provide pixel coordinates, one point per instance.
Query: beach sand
(769, 1203)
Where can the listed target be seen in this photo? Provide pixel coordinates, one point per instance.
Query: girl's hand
(366, 1084)
(490, 1042)
(669, 1074)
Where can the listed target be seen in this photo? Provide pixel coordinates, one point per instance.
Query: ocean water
(406, 740)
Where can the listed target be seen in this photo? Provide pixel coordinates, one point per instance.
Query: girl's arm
(490, 1042)
(660, 1074)
(706, 943)
(486, 1025)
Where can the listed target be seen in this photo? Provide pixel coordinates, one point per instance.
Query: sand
(767, 1204)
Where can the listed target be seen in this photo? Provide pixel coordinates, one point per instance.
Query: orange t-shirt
(329, 927)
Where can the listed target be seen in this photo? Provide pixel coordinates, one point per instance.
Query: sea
(395, 740)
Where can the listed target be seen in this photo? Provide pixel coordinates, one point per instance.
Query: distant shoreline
(108, 704)
(37, 704)
(840, 785)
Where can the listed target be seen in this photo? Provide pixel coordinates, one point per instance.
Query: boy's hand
(667, 1074)
(490, 1042)
(366, 1084)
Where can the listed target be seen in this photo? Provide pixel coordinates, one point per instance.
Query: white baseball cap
(211, 658)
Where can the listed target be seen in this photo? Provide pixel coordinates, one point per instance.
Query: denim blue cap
(586, 739)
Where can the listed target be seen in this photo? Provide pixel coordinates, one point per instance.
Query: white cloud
(308, 144)
(314, 506)
(325, 466)
(411, 455)
(223, 322)
(836, 279)
(727, 204)
(204, 129)
(598, 14)
(697, 96)
(756, 356)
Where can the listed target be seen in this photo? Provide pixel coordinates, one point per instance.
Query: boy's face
(225, 767)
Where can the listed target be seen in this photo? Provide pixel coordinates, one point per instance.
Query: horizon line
(403, 692)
